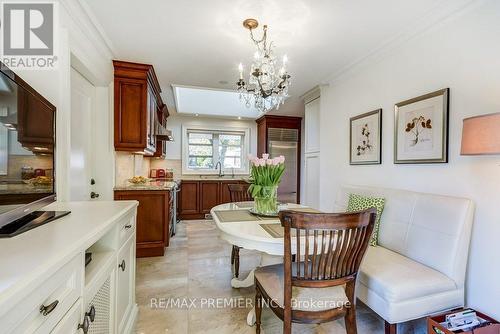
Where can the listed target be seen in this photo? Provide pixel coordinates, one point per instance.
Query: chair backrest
(432, 229)
(239, 192)
(328, 247)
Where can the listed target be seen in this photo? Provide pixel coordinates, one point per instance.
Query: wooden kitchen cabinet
(153, 220)
(35, 123)
(161, 145)
(188, 200)
(209, 195)
(197, 198)
(137, 102)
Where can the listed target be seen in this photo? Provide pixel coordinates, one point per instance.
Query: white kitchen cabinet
(48, 289)
(125, 283)
(312, 184)
(73, 321)
(312, 126)
(312, 143)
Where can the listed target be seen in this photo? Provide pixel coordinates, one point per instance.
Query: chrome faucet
(220, 168)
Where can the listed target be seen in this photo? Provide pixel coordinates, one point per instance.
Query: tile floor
(195, 275)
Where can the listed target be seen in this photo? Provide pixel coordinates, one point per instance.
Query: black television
(27, 147)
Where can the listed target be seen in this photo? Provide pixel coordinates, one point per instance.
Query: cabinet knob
(84, 326)
(122, 265)
(128, 226)
(94, 195)
(45, 310)
(91, 313)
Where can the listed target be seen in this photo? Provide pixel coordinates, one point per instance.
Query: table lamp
(481, 135)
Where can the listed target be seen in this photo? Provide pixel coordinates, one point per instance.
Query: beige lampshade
(481, 135)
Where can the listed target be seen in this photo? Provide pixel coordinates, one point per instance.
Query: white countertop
(34, 255)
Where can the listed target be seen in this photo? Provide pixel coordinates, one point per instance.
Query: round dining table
(250, 232)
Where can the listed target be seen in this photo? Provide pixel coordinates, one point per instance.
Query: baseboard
(132, 320)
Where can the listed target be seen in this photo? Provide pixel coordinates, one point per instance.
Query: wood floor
(188, 291)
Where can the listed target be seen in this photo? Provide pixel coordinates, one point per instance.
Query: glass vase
(266, 202)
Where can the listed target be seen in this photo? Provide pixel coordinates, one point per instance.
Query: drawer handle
(122, 265)
(128, 226)
(45, 310)
(84, 326)
(91, 313)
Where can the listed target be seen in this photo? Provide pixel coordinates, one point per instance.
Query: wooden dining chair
(319, 286)
(238, 193)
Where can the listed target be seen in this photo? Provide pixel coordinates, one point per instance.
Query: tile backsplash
(174, 164)
(130, 165)
(16, 162)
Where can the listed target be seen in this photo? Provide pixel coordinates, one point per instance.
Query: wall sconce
(481, 135)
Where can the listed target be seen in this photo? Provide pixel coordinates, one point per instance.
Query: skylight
(211, 102)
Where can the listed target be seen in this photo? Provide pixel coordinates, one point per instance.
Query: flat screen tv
(27, 143)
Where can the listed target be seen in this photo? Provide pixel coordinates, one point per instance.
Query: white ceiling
(201, 42)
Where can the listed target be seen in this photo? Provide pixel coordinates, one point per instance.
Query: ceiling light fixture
(267, 86)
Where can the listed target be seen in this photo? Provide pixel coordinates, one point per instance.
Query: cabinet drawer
(69, 324)
(61, 290)
(127, 228)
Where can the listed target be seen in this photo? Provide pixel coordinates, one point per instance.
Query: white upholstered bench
(419, 266)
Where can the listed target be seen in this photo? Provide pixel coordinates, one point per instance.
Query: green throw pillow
(359, 203)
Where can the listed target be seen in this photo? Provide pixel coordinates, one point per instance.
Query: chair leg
(391, 328)
(258, 309)
(232, 254)
(350, 317)
(236, 261)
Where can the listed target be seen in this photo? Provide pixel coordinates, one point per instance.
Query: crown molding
(444, 12)
(88, 24)
(312, 94)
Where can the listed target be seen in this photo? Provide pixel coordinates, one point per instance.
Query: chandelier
(267, 87)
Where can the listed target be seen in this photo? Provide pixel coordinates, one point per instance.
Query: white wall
(463, 54)
(175, 123)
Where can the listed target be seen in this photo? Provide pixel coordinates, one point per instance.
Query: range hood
(162, 133)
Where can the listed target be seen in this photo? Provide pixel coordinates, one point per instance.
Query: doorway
(81, 171)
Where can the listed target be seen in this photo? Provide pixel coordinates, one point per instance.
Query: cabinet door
(101, 296)
(225, 195)
(69, 324)
(312, 181)
(152, 220)
(188, 198)
(131, 119)
(312, 114)
(209, 195)
(151, 111)
(125, 284)
(35, 121)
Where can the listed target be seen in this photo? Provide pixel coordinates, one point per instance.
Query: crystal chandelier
(267, 87)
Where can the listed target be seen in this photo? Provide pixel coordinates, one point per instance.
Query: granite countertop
(21, 188)
(151, 185)
(214, 178)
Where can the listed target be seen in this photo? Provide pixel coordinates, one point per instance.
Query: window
(205, 148)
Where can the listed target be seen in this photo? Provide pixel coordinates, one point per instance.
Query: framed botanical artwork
(366, 138)
(421, 129)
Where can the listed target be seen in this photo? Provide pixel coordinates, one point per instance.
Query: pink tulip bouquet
(265, 177)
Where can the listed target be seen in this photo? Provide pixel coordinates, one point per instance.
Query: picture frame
(421, 129)
(365, 143)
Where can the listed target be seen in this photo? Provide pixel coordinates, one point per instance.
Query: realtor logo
(28, 34)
